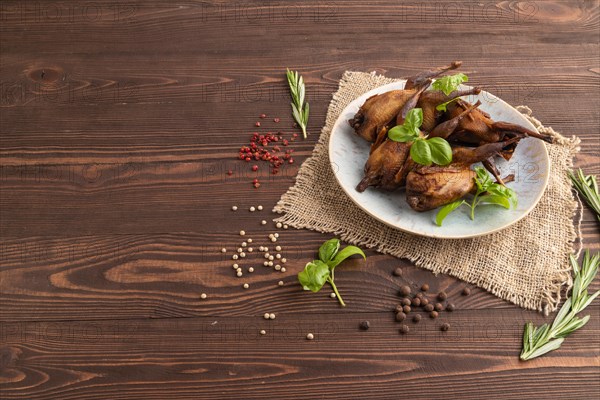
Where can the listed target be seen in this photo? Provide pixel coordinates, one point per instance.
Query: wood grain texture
(118, 125)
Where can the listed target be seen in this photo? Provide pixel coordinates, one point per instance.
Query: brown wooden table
(119, 123)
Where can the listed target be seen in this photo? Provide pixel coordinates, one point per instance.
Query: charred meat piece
(433, 98)
(383, 165)
(429, 187)
(418, 79)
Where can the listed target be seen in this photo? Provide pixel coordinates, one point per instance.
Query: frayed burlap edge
(384, 239)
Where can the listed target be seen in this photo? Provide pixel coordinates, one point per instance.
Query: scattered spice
(438, 307)
(405, 301)
(445, 326)
(310, 336)
(442, 296)
(428, 307)
(450, 307)
(203, 296)
(425, 287)
(406, 309)
(433, 314)
(466, 291)
(365, 325)
(424, 301)
(400, 317)
(398, 272)
(405, 291)
(234, 208)
(271, 316)
(263, 332)
(266, 316)
(246, 286)
(416, 302)
(417, 318)
(404, 329)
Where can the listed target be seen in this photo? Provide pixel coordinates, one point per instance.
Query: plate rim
(377, 90)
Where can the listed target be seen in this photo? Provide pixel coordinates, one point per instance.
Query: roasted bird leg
(433, 98)
(429, 187)
(417, 79)
(447, 128)
(490, 165)
(482, 129)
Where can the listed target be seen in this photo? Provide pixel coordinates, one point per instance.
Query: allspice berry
(398, 272)
(404, 329)
(416, 318)
(406, 309)
(399, 308)
(428, 307)
(405, 290)
(433, 314)
(445, 326)
(442, 296)
(365, 325)
(438, 307)
(466, 291)
(416, 302)
(450, 307)
(405, 301)
(425, 287)
(424, 301)
(400, 316)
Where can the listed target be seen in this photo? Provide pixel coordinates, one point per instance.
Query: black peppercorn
(365, 325)
(442, 296)
(450, 307)
(405, 290)
(438, 307)
(404, 329)
(428, 307)
(400, 317)
(417, 318)
(466, 291)
(398, 272)
(416, 302)
(445, 326)
(425, 287)
(406, 309)
(433, 314)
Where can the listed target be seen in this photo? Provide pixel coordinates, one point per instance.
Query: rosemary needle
(588, 188)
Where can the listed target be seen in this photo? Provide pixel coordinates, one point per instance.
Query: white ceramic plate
(348, 153)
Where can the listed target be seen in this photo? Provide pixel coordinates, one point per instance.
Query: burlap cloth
(526, 264)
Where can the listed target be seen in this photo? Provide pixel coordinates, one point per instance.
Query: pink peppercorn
(255, 168)
(276, 120)
(257, 124)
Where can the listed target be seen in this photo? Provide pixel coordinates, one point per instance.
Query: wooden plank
(224, 357)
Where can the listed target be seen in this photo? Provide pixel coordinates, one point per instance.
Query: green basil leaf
(402, 133)
(414, 118)
(444, 106)
(441, 152)
(483, 179)
(446, 210)
(500, 190)
(495, 199)
(346, 252)
(329, 249)
(449, 84)
(314, 275)
(420, 152)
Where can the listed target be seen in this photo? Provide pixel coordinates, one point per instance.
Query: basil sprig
(318, 272)
(423, 151)
(450, 83)
(488, 192)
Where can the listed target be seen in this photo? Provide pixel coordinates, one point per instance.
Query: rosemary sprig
(588, 188)
(543, 339)
(297, 91)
